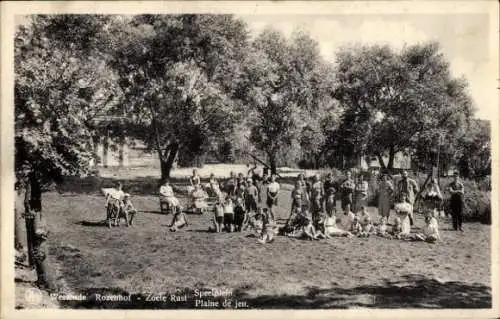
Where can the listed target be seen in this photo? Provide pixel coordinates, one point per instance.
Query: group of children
(303, 224)
(313, 214)
(234, 216)
(118, 206)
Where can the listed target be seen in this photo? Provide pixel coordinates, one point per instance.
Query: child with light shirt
(218, 217)
(229, 215)
(273, 189)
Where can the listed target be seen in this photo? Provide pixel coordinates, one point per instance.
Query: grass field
(288, 273)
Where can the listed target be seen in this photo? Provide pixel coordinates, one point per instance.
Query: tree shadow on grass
(200, 231)
(411, 291)
(101, 223)
(157, 212)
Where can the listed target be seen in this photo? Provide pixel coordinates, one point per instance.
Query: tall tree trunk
(121, 150)
(390, 164)
(17, 231)
(105, 150)
(29, 220)
(168, 161)
(317, 159)
(381, 161)
(201, 160)
(95, 149)
(272, 163)
(36, 237)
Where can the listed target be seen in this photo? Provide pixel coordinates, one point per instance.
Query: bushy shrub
(477, 203)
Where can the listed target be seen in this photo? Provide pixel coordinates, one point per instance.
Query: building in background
(110, 144)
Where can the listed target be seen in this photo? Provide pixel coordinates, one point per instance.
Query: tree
(181, 76)
(58, 87)
(394, 100)
(474, 150)
(285, 83)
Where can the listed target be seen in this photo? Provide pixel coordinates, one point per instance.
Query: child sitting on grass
(256, 223)
(331, 229)
(356, 228)
(382, 228)
(269, 230)
(308, 231)
(179, 220)
(403, 211)
(365, 221)
(293, 223)
(128, 209)
(348, 218)
(430, 230)
(397, 228)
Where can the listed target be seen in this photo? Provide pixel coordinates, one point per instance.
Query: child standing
(239, 215)
(251, 196)
(229, 215)
(218, 217)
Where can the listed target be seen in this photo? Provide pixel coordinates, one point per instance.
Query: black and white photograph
(307, 156)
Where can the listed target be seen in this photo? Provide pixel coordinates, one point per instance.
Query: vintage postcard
(234, 158)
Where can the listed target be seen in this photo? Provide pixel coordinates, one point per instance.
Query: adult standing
(346, 190)
(231, 185)
(385, 196)
(194, 181)
(456, 189)
(262, 186)
(273, 189)
(301, 180)
(251, 170)
(213, 184)
(329, 184)
(317, 194)
(407, 190)
(360, 193)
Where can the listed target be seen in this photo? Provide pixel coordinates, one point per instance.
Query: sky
(464, 40)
